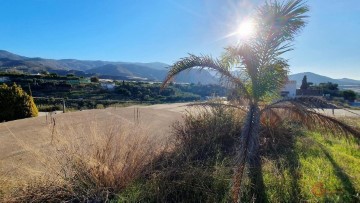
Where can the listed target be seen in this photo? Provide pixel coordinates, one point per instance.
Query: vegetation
(122, 163)
(329, 86)
(50, 90)
(253, 149)
(83, 164)
(94, 79)
(338, 159)
(15, 103)
(199, 167)
(298, 165)
(330, 89)
(304, 83)
(349, 95)
(263, 72)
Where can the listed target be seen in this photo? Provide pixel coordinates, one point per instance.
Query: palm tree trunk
(257, 182)
(249, 153)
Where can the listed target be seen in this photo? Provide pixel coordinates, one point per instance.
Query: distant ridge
(11, 56)
(316, 79)
(155, 71)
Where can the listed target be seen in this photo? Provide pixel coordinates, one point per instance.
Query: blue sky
(166, 30)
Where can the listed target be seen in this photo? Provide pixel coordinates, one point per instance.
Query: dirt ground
(16, 137)
(342, 112)
(36, 132)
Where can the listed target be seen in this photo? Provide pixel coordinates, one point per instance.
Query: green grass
(302, 166)
(330, 168)
(318, 168)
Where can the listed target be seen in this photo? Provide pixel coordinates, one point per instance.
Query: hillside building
(289, 89)
(108, 85)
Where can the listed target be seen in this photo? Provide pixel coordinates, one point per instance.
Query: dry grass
(83, 162)
(199, 168)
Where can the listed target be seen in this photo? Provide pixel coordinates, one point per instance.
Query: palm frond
(277, 25)
(203, 62)
(230, 57)
(304, 111)
(244, 56)
(270, 117)
(282, 21)
(271, 78)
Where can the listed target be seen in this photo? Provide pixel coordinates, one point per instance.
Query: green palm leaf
(202, 62)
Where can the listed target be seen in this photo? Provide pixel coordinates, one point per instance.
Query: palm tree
(261, 72)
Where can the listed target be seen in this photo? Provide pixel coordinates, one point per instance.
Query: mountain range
(155, 71)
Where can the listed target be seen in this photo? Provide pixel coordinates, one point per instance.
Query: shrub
(100, 106)
(49, 108)
(94, 79)
(198, 169)
(15, 103)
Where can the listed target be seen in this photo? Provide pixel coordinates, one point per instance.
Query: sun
(246, 29)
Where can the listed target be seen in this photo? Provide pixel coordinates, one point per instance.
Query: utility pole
(30, 92)
(63, 105)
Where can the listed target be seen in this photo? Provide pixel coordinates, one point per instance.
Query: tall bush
(15, 103)
(198, 169)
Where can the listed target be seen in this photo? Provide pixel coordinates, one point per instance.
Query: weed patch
(87, 163)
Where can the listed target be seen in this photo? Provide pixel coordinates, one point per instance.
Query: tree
(54, 75)
(349, 95)
(329, 86)
(262, 73)
(94, 79)
(304, 83)
(123, 91)
(15, 103)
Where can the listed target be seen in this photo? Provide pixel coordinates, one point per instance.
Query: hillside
(141, 71)
(154, 71)
(316, 79)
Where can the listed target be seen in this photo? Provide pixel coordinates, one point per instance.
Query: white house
(289, 89)
(108, 85)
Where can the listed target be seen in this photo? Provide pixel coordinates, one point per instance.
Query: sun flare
(246, 29)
